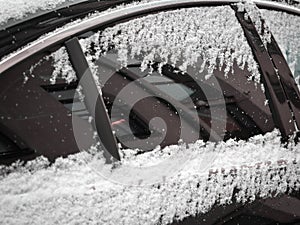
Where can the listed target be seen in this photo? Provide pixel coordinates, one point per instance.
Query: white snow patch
(182, 38)
(62, 66)
(253, 13)
(294, 3)
(286, 30)
(71, 191)
(20, 9)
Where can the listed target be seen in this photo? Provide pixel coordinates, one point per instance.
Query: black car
(38, 97)
(152, 74)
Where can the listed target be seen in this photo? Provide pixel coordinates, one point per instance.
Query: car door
(205, 78)
(167, 73)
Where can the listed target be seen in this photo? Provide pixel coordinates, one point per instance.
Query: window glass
(286, 30)
(175, 52)
(184, 61)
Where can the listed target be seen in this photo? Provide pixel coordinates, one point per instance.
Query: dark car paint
(280, 210)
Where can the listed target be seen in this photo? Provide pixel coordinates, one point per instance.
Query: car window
(285, 28)
(176, 57)
(197, 71)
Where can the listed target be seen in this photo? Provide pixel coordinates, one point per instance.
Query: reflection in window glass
(168, 86)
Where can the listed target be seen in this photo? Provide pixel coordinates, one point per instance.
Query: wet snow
(286, 30)
(20, 9)
(73, 191)
(82, 189)
(209, 36)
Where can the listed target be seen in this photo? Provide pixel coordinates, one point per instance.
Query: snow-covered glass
(286, 30)
(181, 37)
(164, 65)
(177, 53)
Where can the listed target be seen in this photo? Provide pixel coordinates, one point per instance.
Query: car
(152, 74)
(242, 112)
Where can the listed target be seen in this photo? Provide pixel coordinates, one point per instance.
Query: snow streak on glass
(286, 30)
(62, 66)
(182, 38)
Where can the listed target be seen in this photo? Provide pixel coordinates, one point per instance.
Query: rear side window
(286, 30)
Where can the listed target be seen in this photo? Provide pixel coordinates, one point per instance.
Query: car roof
(16, 34)
(28, 10)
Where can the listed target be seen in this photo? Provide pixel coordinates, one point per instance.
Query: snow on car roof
(294, 3)
(11, 11)
(44, 37)
(73, 191)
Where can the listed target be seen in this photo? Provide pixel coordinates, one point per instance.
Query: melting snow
(72, 190)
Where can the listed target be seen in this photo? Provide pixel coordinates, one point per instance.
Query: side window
(200, 62)
(285, 28)
(167, 76)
